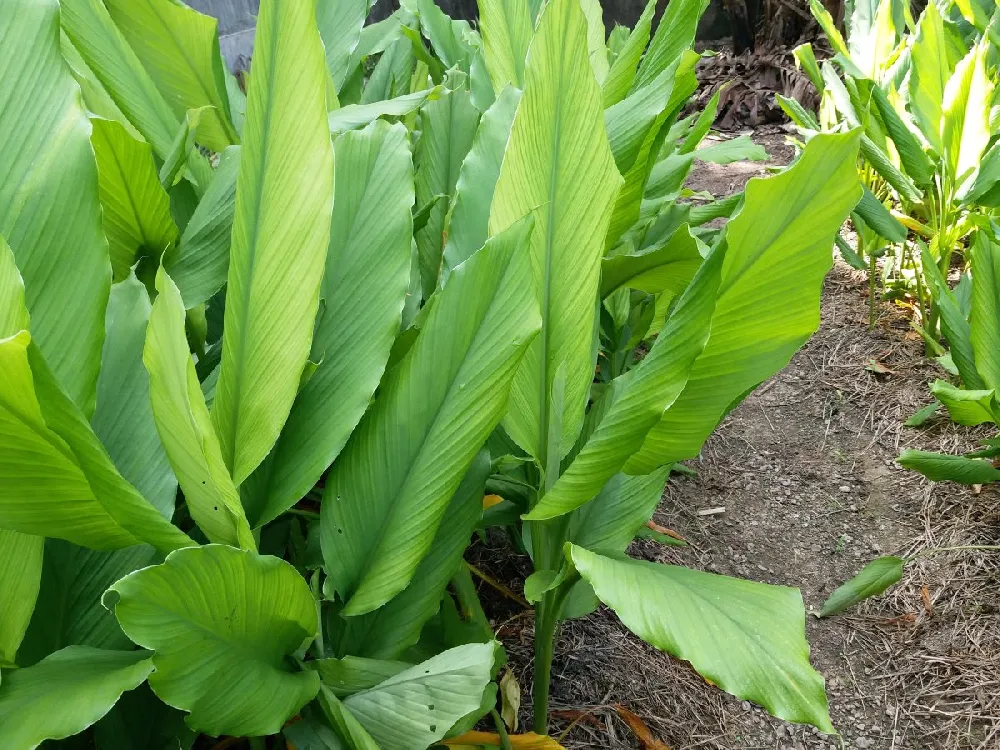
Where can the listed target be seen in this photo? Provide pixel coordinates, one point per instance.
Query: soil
(805, 469)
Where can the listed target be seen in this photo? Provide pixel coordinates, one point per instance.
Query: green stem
(502, 731)
(548, 613)
(872, 268)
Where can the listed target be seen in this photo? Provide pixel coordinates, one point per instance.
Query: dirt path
(805, 469)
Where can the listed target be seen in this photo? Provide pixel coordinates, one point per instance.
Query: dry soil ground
(806, 471)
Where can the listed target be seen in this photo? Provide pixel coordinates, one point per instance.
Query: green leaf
(507, 28)
(882, 164)
(623, 70)
(805, 60)
(183, 150)
(779, 250)
(391, 629)
(447, 129)
(674, 34)
(136, 209)
(939, 467)
(352, 674)
(69, 611)
(367, 271)
(415, 708)
(596, 35)
(965, 127)
(20, 576)
(912, 158)
(355, 116)
(65, 693)
(877, 216)
(829, 27)
(984, 318)
(48, 171)
(378, 523)
(123, 420)
(58, 479)
(954, 324)
(184, 424)
(284, 199)
(344, 722)
(558, 144)
(450, 38)
(179, 48)
(740, 148)
(340, 23)
(748, 638)
(141, 720)
(645, 393)
(669, 266)
(222, 623)
(468, 223)
(874, 578)
(966, 407)
(200, 262)
(931, 65)
(115, 64)
(922, 415)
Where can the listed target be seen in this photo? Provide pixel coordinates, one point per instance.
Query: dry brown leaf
(925, 595)
(664, 530)
(640, 730)
(490, 500)
(510, 700)
(529, 741)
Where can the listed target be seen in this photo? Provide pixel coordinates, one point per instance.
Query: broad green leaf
(200, 261)
(931, 65)
(58, 479)
(619, 80)
(415, 708)
(136, 209)
(558, 167)
(965, 111)
(222, 623)
(829, 27)
(115, 64)
(69, 610)
(629, 121)
(922, 415)
(141, 720)
(340, 23)
(911, 154)
(65, 693)
(669, 266)
(179, 48)
(872, 46)
(184, 424)
(609, 523)
(877, 216)
(348, 728)
(123, 420)
(939, 467)
(352, 674)
(667, 177)
(284, 197)
(49, 209)
(596, 35)
(391, 629)
(183, 150)
(20, 576)
(450, 38)
(390, 487)
(447, 130)
(95, 97)
(507, 28)
(954, 324)
(967, 407)
(355, 116)
(367, 271)
(748, 638)
(13, 312)
(779, 249)
(468, 221)
(874, 578)
(740, 148)
(645, 393)
(984, 318)
(674, 34)
(805, 60)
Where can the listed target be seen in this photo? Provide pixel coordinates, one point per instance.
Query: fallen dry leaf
(640, 730)
(529, 741)
(664, 530)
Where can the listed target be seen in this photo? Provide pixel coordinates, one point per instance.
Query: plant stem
(545, 638)
(502, 731)
(872, 269)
